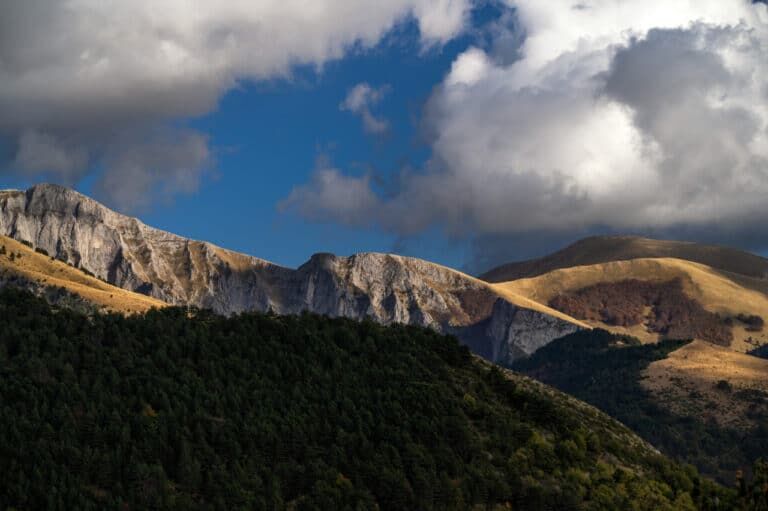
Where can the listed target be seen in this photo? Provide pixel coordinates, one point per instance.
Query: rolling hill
(653, 298)
(705, 401)
(604, 249)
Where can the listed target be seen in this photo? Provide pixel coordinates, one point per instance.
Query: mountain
(494, 322)
(604, 249)
(704, 402)
(653, 298)
(62, 284)
(179, 409)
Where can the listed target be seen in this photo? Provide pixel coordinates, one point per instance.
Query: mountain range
(128, 254)
(650, 289)
(77, 253)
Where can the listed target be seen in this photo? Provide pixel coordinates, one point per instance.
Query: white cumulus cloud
(360, 99)
(631, 115)
(78, 76)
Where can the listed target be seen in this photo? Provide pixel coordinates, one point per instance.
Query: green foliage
(605, 369)
(183, 409)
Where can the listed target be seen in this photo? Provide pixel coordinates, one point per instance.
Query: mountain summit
(123, 251)
(604, 249)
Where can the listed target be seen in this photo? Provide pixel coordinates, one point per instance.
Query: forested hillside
(183, 409)
(605, 369)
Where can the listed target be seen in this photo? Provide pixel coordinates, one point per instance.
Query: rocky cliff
(388, 288)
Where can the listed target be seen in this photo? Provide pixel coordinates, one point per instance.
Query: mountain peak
(603, 249)
(385, 287)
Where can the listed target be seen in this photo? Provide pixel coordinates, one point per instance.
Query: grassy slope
(41, 269)
(709, 287)
(608, 370)
(688, 382)
(602, 249)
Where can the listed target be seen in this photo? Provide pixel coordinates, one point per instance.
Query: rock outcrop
(388, 288)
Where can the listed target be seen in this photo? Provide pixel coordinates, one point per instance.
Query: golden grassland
(747, 267)
(686, 382)
(42, 269)
(711, 288)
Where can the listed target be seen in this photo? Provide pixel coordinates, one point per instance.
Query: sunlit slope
(710, 382)
(603, 249)
(715, 292)
(514, 297)
(21, 261)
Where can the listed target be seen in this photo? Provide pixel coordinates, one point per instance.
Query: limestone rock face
(388, 288)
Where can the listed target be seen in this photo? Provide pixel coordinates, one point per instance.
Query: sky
(466, 132)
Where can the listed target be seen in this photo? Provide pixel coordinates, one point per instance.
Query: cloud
(332, 196)
(615, 115)
(79, 77)
(40, 152)
(360, 99)
(153, 168)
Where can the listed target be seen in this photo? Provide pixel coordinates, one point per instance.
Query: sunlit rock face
(387, 288)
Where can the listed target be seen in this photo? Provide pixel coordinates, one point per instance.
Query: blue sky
(496, 129)
(268, 135)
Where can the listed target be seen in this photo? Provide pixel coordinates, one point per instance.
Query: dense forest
(183, 409)
(604, 369)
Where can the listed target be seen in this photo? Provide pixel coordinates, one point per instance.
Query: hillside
(35, 271)
(196, 411)
(718, 427)
(495, 323)
(655, 298)
(711, 383)
(604, 249)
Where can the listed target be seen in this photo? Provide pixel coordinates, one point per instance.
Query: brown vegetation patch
(663, 307)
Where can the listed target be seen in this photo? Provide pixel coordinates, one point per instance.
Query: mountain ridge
(727, 301)
(604, 249)
(61, 284)
(389, 288)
